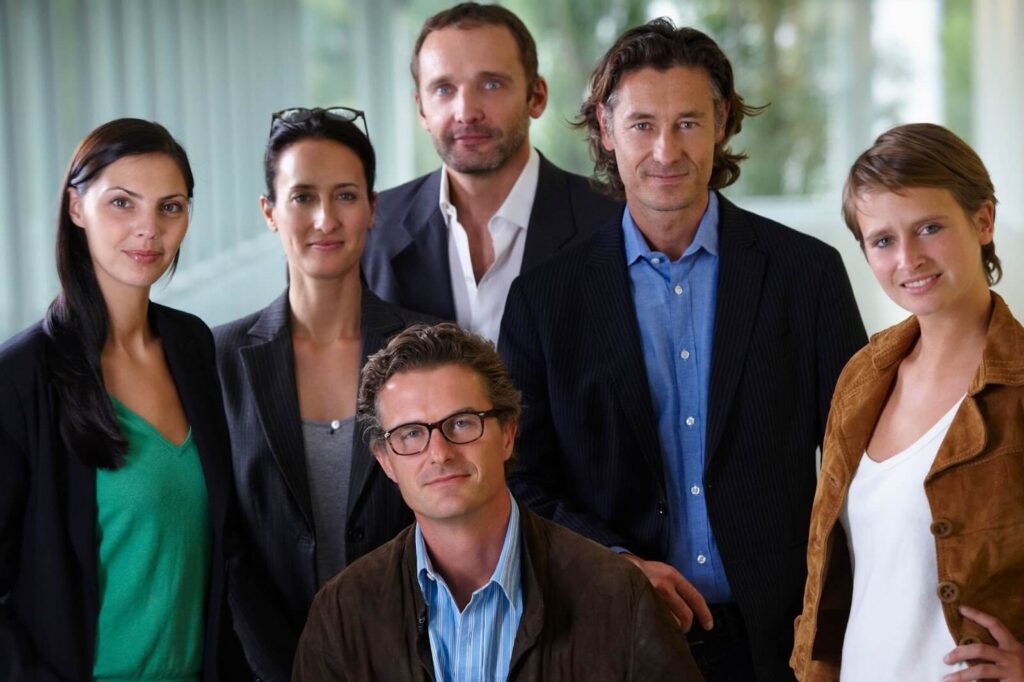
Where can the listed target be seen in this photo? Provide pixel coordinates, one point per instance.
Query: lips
(446, 478)
(325, 245)
(474, 135)
(919, 283)
(144, 256)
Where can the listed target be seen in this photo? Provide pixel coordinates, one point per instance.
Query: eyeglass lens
(458, 429)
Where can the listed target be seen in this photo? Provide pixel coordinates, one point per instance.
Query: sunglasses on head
(299, 115)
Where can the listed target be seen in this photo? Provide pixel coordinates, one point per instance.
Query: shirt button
(685, 355)
(678, 290)
(656, 260)
(695, 490)
(701, 559)
(335, 425)
(690, 421)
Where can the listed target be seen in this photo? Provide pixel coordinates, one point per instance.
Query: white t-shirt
(897, 630)
(479, 307)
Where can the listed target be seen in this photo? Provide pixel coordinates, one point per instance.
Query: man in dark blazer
(677, 366)
(451, 242)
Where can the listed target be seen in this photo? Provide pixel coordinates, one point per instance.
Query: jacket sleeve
(538, 479)
(659, 648)
(840, 332)
(18, 659)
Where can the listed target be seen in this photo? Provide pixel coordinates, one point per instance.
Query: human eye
(881, 242)
(688, 125)
(443, 90)
(463, 423)
(347, 196)
(172, 207)
(120, 202)
(301, 198)
(930, 228)
(410, 433)
(641, 125)
(492, 85)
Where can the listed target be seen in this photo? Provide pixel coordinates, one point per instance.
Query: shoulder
(370, 582)
(23, 351)
(395, 199)
(231, 335)
(590, 206)
(398, 317)
(771, 236)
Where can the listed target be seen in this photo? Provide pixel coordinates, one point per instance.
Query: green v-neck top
(153, 540)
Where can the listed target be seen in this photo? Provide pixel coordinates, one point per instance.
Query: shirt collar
(706, 237)
(507, 573)
(518, 204)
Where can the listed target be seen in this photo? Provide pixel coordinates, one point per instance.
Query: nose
(148, 226)
(467, 106)
(909, 254)
(438, 448)
(326, 219)
(666, 147)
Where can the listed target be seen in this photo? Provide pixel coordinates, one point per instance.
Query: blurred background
(836, 73)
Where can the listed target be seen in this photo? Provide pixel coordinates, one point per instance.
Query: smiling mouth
(920, 283)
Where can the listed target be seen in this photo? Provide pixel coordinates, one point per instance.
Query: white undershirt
(479, 307)
(897, 630)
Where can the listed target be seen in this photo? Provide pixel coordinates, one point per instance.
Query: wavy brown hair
(659, 45)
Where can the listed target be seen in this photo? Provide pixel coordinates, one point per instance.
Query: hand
(682, 598)
(1005, 662)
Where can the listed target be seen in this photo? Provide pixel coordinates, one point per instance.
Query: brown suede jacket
(975, 489)
(587, 615)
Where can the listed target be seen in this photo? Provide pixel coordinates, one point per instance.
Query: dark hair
(76, 320)
(318, 127)
(923, 155)
(467, 15)
(658, 44)
(424, 346)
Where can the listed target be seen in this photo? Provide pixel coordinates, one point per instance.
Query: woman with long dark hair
(114, 473)
(916, 550)
(312, 497)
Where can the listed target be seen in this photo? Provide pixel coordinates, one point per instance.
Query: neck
(465, 552)
(325, 310)
(958, 337)
(670, 232)
(478, 196)
(127, 318)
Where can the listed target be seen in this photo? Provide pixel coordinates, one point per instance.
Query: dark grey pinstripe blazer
(785, 324)
(272, 590)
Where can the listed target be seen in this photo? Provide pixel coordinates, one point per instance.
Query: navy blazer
(271, 592)
(406, 256)
(589, 454)
(49, 594)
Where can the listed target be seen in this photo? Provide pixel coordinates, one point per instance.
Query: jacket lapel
(420, 253)
(269, 365)
(551, 220)
(378, 324)
(615, 328)
(740, 273)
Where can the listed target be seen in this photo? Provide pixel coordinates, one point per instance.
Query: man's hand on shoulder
(682, 598)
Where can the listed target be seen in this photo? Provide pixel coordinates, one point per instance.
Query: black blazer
(589, 453)
(49, 595)
(272, 590)
(406, 255)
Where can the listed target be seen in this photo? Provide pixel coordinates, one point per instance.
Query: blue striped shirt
(675, 309)
(475, 645)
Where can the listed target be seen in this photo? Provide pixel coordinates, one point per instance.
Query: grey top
(328, 448)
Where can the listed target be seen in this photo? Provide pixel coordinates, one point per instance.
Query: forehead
(883, 206)
(317, 159)
(155, 172)
(454, 52)
(668, 91)
(430, 394)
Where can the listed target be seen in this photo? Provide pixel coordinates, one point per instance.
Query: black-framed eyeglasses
(459, 428)
(299, 115)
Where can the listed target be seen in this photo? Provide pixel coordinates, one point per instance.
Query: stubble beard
(472, 162)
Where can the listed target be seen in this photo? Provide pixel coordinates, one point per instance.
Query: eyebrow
(310, 185)
(634, 115)
(136, 195)
(462, 410)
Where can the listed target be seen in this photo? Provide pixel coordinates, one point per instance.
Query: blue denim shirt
(675, 309)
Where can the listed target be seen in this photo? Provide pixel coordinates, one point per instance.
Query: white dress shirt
(479, 306)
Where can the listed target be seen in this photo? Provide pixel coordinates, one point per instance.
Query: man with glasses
(479, 588)
(450, 243)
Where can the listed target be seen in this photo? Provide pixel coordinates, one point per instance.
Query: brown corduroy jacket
(587, 615)
(975, 489)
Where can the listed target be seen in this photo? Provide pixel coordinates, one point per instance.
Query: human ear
(382, 458)
(267, 209)
(985, 222)
(603, 122)
(75, 207)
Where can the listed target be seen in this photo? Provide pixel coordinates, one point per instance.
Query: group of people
(630, 378)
